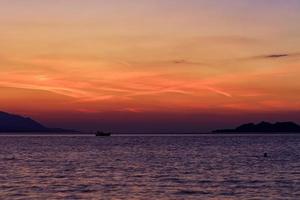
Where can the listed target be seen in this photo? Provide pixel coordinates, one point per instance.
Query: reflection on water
(224, 167)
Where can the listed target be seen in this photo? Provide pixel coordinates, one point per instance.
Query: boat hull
(100, 134)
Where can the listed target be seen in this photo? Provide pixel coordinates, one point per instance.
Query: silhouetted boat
(102, 134)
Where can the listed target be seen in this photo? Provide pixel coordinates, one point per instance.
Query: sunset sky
(150, 65)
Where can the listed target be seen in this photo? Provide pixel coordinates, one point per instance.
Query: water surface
(174, 167)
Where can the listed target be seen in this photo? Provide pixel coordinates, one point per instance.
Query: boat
(102, 134)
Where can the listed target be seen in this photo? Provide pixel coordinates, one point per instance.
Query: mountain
(264, 127)
(16, 123)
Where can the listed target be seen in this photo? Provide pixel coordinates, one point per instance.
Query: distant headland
(264, 127)
(11, 123)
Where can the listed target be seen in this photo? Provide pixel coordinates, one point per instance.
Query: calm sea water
(202, 167)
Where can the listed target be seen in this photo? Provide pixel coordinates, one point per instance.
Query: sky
(150, 66)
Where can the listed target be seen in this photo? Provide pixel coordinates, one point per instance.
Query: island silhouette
(12, 123)
(16, 123)
(264, 127)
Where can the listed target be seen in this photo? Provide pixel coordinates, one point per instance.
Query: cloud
(218, 91)
(58, 90)
(187, 62)
(274, 56)
(277, 55)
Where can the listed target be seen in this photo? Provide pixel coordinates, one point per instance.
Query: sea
(150, 167)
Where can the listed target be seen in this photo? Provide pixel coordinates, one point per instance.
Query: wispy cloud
(70, 92)
(218, 91)
(187, 62)
(276, 56)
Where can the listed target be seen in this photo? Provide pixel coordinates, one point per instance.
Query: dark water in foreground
(203, 167)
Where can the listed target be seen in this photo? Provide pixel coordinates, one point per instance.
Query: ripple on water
(150, 167)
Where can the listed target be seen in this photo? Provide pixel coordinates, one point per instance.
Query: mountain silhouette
(15, 123)
(264, 127)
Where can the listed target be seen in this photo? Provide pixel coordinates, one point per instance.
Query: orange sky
(95, 58)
